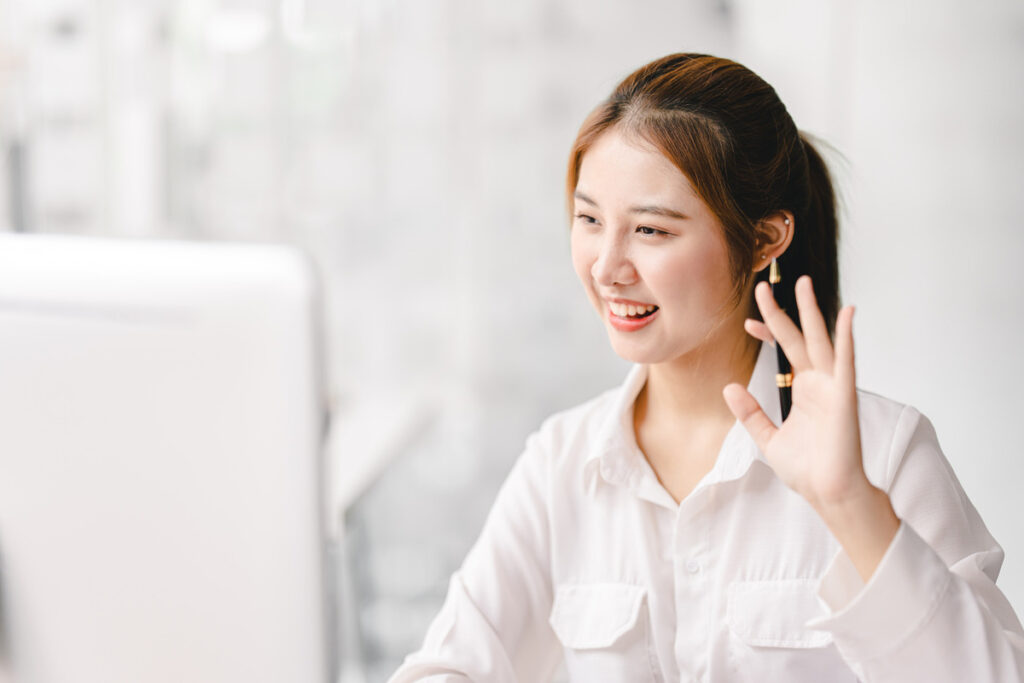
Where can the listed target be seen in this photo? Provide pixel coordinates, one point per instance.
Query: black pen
(784, 377)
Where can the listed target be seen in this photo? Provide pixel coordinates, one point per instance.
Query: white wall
(923, 101)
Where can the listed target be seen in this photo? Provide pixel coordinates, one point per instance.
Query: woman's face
(650, 253)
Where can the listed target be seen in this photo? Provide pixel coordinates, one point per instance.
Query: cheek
(713, 268)
(582, 256)
(699, 277)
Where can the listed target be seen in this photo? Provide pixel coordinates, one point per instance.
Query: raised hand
(817, 450)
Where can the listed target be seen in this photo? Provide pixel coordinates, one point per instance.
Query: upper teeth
(623, 310)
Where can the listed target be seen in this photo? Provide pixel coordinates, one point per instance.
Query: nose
(613, 265)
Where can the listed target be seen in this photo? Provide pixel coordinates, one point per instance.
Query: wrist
(844, 502)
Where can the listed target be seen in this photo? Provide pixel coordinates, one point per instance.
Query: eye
(585, 218)
(648, 230)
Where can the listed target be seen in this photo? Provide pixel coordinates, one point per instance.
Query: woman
(670, 529)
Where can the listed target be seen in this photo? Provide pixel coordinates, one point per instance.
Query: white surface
(160, 426)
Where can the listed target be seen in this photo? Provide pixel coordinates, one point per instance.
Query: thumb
(748, 411)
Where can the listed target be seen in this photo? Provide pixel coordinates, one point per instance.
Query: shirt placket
(692, 581)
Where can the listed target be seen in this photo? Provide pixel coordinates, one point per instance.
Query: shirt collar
(618, 460)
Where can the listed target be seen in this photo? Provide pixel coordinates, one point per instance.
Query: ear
(774, 235)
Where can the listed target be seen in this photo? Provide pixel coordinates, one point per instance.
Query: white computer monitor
(161, 423)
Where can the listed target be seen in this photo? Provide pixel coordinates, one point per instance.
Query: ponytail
(818, 253)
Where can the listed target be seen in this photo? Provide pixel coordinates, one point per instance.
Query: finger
(845, 372)
(758, 330)
(748, 411)
(782, 328)
(819, 346)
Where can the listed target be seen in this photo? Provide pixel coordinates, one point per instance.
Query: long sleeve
(494, 623)
(931, 611)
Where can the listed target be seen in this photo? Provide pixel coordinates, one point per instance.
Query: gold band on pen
(785, 380)
(774, 275)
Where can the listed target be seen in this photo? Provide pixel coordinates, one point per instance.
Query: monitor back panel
(161, 420)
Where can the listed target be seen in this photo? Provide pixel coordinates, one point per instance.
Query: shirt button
(692, 566)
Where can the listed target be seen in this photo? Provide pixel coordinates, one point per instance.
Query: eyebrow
(653, 209)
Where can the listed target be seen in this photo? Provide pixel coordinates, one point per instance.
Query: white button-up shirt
(586, 557)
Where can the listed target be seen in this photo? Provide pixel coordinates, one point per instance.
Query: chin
(652, 350)
(637, 353)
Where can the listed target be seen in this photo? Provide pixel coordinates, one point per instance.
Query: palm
(816, 451)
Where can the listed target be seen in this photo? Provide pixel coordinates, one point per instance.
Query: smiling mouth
(631, 311)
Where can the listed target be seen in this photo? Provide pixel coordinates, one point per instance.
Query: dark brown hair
(729, 133)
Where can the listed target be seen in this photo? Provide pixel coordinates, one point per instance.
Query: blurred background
(416, 149)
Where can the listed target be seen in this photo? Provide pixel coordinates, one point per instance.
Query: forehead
(625, 166)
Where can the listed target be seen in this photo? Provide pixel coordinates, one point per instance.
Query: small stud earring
(763, 257)
(787, 221)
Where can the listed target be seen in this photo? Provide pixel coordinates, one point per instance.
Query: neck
(688, 389)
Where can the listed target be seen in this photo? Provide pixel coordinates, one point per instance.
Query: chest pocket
(605, 631)
(768, 637)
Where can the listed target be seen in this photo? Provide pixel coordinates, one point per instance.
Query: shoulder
(566, 439)
(556, 453)
(902, 456)
(579, 425)
(888, 428)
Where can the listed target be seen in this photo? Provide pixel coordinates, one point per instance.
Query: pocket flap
(775, 613)
(595, 615)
